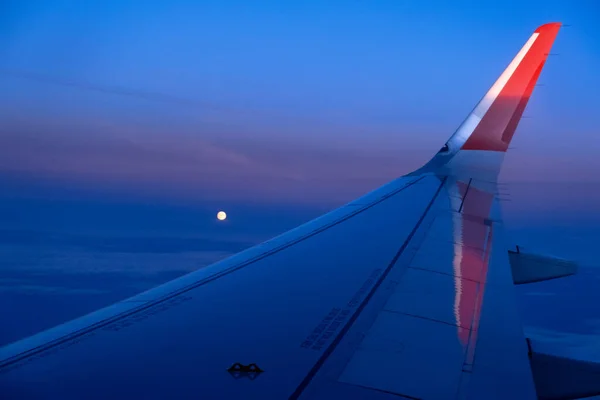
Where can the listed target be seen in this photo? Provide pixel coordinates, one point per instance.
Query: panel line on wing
(404, 396)
(441, 321)
(443, 273)
(313, 371)
(462, 203)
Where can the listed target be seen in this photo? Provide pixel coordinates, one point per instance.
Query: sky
(296, 101)
(126, 125)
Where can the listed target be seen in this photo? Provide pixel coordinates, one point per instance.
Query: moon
(221, 215)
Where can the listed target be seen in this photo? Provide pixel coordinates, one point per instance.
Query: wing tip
(548, 27)
(500, 111)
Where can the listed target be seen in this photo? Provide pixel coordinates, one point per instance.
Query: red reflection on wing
(472, 236)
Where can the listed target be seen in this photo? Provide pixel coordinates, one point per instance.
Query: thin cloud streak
(107, 89)
(188, 164)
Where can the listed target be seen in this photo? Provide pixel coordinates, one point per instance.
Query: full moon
(221, 215)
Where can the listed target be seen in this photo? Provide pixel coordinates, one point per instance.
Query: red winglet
(498, 124)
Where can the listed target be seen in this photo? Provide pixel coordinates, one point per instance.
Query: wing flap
(529, 268)
(402, 353)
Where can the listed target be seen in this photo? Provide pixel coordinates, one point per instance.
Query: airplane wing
(406, 292)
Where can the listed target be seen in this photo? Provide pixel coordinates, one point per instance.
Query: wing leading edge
(405, 292)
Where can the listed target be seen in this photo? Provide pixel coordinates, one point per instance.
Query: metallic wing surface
(406, 292)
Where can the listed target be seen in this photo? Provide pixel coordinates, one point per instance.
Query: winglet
(478, 146)
(491, 125)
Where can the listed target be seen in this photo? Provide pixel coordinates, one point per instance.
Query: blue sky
(280, 100)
